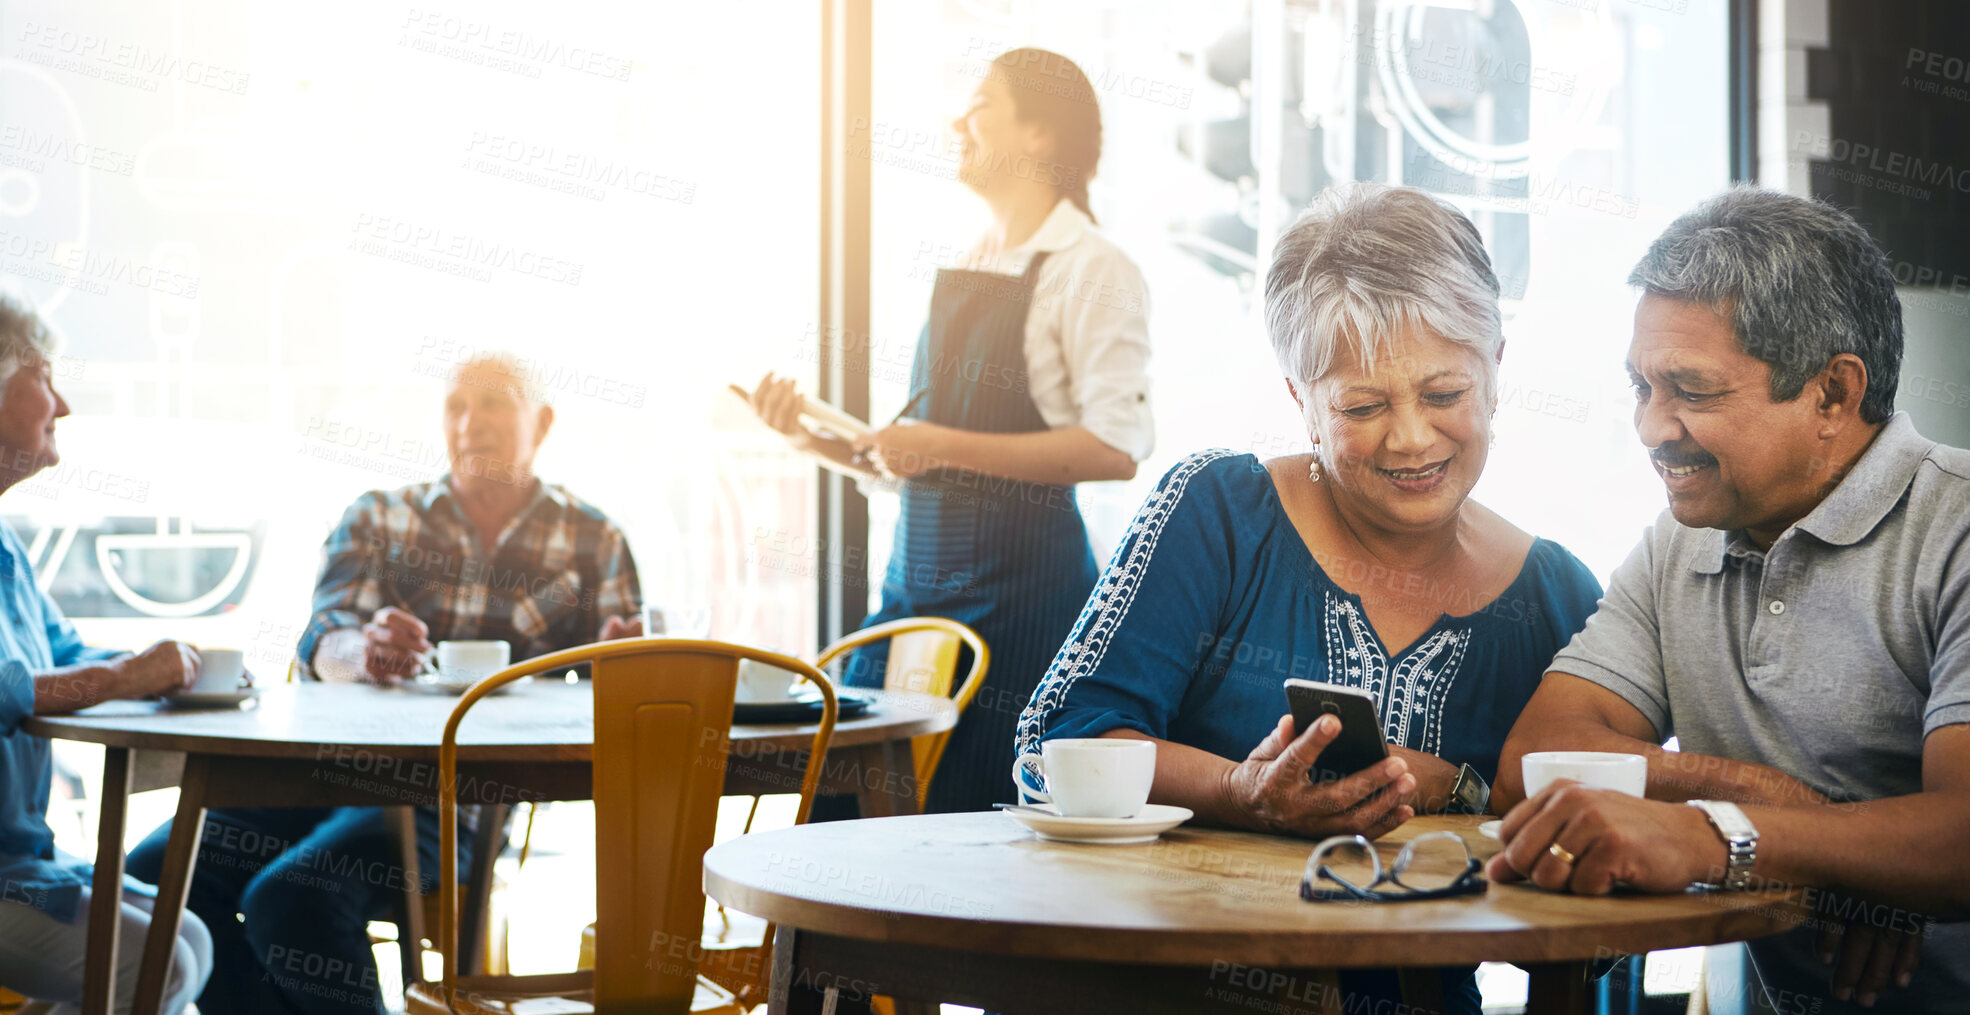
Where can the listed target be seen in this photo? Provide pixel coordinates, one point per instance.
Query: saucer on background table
(802, 708)
(212, 699)
(1047, 822)
(456, 688)
(1490, 828)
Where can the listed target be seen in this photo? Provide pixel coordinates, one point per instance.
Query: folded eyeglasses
(1426, 868)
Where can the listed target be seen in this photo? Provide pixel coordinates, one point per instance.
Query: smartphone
(1360, 743)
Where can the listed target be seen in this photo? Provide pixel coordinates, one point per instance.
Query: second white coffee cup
(1628, 773)
(472, 660)
(1103, 777)
(763, 682)
(220, 670)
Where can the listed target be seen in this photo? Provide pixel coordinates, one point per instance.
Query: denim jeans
(288, 893)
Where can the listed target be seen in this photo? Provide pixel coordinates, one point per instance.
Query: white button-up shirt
(1087, 333)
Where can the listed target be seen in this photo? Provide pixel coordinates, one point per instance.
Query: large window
(269, 230)
(1536, 117)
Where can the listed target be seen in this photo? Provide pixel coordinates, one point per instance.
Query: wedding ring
(1559, 852)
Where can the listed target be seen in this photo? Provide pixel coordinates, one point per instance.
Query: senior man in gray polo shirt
(1799, 619)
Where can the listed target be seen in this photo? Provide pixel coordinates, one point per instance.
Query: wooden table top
(982, 883)
(545, 720)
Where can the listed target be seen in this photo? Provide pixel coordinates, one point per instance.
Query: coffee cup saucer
(1147, 825)
(434, 682)
(1490, 828)
(212, 699)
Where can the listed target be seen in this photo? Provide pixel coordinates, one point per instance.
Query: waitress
(1030, 377)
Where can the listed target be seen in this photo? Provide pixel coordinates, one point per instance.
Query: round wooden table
(974, 909)
(321, 745)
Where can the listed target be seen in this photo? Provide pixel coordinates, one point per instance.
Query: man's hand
(1866, 957)
(905, 449)
(164, 668)
(616, 627)
(394, 646)
(1613, 838)
(1271, 789)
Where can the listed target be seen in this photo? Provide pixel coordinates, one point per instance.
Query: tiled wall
(1866, 104)
(1894, 76)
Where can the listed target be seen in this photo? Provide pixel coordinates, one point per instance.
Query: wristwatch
(1740, 842)
(1469, 794)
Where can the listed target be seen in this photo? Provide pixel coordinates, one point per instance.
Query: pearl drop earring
(1313, 467)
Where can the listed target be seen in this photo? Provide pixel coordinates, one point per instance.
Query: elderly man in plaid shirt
(486, 552)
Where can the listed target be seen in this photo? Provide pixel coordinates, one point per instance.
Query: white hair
(525, 377)
(23, 336)
(1367, 260)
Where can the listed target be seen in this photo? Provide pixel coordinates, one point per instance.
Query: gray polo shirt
(1829, 656)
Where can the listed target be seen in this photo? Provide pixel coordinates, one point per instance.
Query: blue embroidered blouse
(1212, 600)
(33, 636)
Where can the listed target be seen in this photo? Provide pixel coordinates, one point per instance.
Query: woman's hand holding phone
(1271, 789)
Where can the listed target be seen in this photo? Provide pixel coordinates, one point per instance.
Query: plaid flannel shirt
(557, 571)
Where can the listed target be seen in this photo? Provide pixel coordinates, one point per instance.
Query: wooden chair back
(663, 712)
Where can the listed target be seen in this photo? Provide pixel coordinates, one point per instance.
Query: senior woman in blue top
(1365, 563)
(44, 667)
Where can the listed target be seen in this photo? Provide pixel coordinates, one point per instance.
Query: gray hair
(526, 379)
(1365, 260)
(23, 336)
(1801, 282)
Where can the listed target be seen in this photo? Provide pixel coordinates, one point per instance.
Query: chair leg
(750, 815)
(486, 840)
(410, 927)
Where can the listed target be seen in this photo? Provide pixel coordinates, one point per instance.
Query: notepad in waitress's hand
(821, 416)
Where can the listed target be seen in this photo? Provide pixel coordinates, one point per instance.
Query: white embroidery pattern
(1113, 594)
(1409, 695)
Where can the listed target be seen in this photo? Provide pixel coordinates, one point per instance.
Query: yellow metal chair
(736, 952)
(923, 657)
(662, 709)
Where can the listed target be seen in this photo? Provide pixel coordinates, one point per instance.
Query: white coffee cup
(220, 671)
(687, 621)
(1103, 777)
(472, 660)
(763, 682)
(1628, 773)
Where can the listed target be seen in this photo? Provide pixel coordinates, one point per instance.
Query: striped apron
(1009, 558)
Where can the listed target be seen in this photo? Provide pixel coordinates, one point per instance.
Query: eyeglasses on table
(1426, 868)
